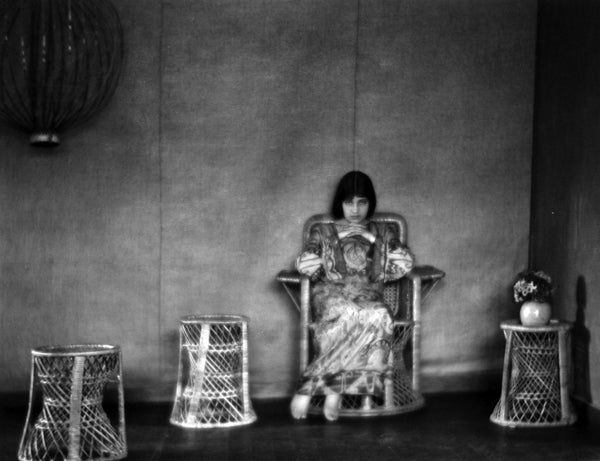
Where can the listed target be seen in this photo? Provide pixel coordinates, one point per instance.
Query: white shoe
(331, 408)
(299, 406)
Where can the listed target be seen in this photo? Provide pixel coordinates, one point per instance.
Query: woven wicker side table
(535, 381)
(212, 383)
(72, 424)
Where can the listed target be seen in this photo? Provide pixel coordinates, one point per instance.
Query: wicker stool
(212, 383)
(72, 424)
(535, 381)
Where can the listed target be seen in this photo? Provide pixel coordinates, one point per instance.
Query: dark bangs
(353, 184)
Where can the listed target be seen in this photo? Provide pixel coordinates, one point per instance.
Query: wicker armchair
(404, 296)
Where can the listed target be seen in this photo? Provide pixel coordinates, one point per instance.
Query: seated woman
(349, 261)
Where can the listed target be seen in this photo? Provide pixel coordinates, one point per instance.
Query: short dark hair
(353, 184)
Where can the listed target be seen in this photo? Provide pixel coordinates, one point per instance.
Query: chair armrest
(289, 276)
(426, 273)
(423, 279)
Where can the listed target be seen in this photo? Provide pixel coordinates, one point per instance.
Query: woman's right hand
(308, 263)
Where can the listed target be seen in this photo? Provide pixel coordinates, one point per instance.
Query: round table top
(214, 318)
(70, 350)
(553, 325)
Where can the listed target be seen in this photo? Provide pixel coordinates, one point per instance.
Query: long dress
(352, 327)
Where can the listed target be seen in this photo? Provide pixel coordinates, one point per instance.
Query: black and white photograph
(312, 230)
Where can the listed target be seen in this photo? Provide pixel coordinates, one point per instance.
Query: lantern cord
(159, 320)
(355, 92)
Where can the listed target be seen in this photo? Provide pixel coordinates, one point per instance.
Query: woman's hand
(308, 263)
(355, 229)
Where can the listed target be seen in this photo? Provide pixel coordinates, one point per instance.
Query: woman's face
(355, 209)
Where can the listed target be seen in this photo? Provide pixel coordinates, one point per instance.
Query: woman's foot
(331, 408)
(299, 406)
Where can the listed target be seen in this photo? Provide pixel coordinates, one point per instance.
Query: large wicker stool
(72, 424)
(535, 381)
(212, 383)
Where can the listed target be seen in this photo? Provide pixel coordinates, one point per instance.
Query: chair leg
(388, 383)
(388, 399)
(367, 402)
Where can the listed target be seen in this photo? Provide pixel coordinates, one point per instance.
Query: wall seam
(160, 186)
(355, 89)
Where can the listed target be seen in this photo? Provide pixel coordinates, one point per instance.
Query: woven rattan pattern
(537, 393)
(72, 423)
(213, 379)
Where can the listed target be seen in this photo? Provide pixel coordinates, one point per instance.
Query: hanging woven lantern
(60, 63)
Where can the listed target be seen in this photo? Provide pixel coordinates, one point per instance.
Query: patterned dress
(352, 326)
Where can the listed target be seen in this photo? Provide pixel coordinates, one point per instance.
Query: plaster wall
(231, 125)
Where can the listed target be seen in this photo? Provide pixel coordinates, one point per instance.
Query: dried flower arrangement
(532, 286)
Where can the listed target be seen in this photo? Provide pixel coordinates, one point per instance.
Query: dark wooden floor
(450, 427)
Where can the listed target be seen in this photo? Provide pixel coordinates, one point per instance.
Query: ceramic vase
(534, 313)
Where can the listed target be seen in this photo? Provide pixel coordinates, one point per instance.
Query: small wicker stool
(535, 381)
(72, 424)
(212, 382)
